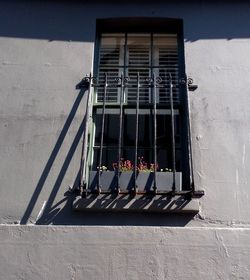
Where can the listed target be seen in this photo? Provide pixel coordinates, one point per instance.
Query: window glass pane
(165, 51)
(145, 91)
(109, 156)
(165, 62)
(111, 127)
(145, 129)
(111, 50)
(138, 50)
(164, 129)
(112, 93)
(111, 61)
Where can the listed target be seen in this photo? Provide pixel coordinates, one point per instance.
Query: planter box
(144, 181)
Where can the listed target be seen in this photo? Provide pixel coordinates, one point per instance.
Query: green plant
(145, 167)
(142, 166)
(123, 165)
(103, 168)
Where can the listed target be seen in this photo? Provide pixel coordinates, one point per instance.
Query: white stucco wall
(41, 252)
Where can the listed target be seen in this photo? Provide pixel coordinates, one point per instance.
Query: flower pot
(144, 181)
(164, 181)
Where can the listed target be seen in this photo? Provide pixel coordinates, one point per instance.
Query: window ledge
(124, 203)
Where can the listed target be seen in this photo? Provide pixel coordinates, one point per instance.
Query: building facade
(197, 230)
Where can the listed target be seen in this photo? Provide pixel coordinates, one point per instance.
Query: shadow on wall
(62, 213)
(66, 216)
(114, 219)
(50, 163)
(48, 20)
(75, 20)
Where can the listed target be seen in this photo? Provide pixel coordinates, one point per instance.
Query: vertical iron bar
(189, 137)
(172, 130)
(155, 136)
(125, 57)
(120, 132)
(136, 131)
(85, 142)
(102, 131)
(151, 71)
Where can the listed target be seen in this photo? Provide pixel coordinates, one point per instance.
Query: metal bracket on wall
(84, 83)
(189, 82)
(193, 194)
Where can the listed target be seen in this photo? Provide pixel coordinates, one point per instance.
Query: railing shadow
(63, 213)
(46, 216)
(52, 158)
(60, 212)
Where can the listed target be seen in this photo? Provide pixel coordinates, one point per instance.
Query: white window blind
(128, 54)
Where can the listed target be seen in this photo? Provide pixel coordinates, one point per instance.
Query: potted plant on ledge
(127, 176)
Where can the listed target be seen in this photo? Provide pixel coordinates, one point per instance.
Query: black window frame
(157, 25)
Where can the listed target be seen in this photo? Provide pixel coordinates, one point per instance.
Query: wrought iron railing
(122, 82)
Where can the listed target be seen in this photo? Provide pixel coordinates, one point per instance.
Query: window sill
(126, 203)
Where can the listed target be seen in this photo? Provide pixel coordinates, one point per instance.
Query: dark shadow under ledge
(139, 203)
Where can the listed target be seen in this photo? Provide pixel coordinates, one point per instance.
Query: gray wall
(122, 253)
(45, 50)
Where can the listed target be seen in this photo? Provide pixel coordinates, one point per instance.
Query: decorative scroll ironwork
(122, 82)
(189, 83)
(172, 132)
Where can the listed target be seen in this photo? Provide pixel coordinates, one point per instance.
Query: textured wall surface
(49, 252)
(45, 50)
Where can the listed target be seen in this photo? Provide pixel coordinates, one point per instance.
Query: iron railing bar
(83, 163)
(136, 131)
(143, 67)
(114, 86)
(143, 105)
(120, 132)
(172, 132)
(155, 136)
(128, 147)
(102, 132)
(146, 193)
(189, 137)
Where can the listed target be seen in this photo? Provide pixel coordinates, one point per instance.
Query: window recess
(139, 141)
(129, 54)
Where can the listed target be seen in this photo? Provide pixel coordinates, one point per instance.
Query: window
(139, 133)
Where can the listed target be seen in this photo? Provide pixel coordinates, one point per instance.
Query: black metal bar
(172, 131)
(102, 132)
(136, 131)
(83, 163)
(151, 54)
(189, 137)
(138, 65)
(120, 132)
(155, 135)
(125, 66)
(189, 193)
